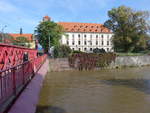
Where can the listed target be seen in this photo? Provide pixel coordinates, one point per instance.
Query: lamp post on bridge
(2, 32)
(49, 44)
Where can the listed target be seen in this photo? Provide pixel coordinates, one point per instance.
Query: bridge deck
(28, 100)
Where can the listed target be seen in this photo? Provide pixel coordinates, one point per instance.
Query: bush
(62, 51)
(89, 61)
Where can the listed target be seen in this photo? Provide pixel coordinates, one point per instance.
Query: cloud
(7, 7)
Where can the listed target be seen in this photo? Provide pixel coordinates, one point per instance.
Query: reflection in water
(105, 91)
(139, 84)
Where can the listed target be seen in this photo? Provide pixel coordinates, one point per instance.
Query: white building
(86, 36)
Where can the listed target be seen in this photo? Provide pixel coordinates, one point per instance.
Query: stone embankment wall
(61, 64)
(131, 61)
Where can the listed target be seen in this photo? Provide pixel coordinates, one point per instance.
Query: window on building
(79, 42)
(67, 42)
(108, 43)
(107, 49)
(73, 43)
(90, 49)
(90, 42)
(85, 49)
(96, 42)
(96, 36)
(79, 49)
(85, 36)
(90, 36)
(107, 36)
(85, 43)
(102, 36)
(102, 42)
(79, 35)
(73, 49)
(72, 35)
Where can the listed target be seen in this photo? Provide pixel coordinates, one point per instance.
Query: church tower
(46, 18)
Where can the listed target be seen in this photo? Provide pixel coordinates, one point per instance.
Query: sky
(27, 14)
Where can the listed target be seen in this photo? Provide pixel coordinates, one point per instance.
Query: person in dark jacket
(25, 57)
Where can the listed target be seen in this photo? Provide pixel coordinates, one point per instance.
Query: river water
(105, 91)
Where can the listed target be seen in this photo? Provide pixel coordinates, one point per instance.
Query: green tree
(48, 29)
(130, 28)
(62, 51)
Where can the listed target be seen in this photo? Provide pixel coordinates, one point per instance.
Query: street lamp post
(49, 44)
(2, 31)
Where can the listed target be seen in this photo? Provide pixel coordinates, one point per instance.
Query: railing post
(14, 80)
(32, 67)
(23, 73)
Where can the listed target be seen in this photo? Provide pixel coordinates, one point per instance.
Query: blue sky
(28, 13)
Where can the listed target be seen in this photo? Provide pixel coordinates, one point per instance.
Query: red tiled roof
(84, 27)
(28, 36)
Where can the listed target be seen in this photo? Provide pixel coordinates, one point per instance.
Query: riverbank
(62, 64)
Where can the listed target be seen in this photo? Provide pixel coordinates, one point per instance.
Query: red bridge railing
(11, 55)
(13, 80)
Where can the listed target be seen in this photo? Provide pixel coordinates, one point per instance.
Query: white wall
(88, 38)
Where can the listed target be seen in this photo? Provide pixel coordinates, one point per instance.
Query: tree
(62, 51)
(48, 29)
(129, 27)
(20, 41)
(4, 37)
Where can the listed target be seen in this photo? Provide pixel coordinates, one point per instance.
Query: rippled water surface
(104, 91)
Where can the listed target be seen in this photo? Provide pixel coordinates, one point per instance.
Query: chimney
(21, 31)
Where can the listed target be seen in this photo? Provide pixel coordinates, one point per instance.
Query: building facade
(87, 36)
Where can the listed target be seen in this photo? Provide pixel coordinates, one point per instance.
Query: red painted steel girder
(11, 55)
